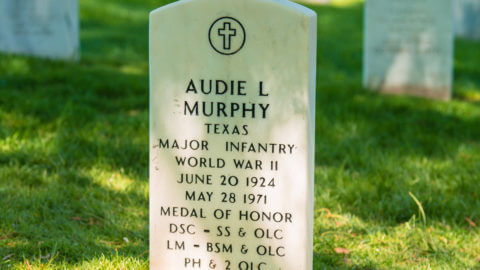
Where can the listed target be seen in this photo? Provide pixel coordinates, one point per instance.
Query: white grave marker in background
(467, 18)
(232, 112)
(44, 28)
(408, 47)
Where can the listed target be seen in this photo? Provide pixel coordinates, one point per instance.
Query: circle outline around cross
(210, 35)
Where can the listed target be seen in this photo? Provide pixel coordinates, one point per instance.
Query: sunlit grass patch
(345, 3)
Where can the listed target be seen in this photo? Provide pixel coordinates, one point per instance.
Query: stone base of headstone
(440, 94)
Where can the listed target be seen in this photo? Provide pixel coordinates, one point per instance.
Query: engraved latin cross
(227, 33)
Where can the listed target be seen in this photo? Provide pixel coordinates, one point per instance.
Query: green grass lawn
(397, 178)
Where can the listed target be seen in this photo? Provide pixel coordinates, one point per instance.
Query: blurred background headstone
(43, 28)
(408, 47)
(467, 18)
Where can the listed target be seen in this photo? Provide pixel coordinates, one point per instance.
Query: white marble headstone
(408, 47)
(467, 18)
(44, 28)
(232, 113)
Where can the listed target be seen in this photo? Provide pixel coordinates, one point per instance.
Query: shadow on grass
(467, 73)
(62, 120)
(53, 205)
